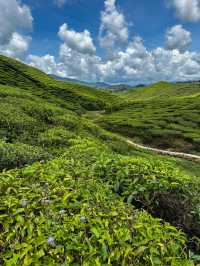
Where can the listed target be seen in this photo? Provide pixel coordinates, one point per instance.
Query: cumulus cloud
(14, 17)
(132, 62)
(187, 10)
(178, 38)
(16, 47)
(79, 65)
(46, 63)
(139, 64)
(135, 64)
(77, 54)
(77, 57)
(113, 29)
(78, 41)
(173, 65)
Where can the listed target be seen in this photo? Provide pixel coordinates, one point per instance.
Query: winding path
(183, 155)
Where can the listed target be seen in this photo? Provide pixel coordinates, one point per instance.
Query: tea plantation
(163, 115)
(73, 193)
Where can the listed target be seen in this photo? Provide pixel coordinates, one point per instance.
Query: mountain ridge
(100, 85)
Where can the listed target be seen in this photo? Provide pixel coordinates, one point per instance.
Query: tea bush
(156, 187)
(17, 155)
(73, 193)
(165, 117)
(56, 136)
(50, 217)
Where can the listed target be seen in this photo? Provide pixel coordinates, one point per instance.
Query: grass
(75, 193)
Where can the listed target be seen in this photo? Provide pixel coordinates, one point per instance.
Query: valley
(164, 116)
(94, 177)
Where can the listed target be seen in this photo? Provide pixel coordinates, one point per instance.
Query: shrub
(50, 217)
(156, 187)
(57, 136)
(17, 155)
(69, 121)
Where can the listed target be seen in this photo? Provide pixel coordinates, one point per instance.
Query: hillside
(40, 84)
(163, 115)
(74, 193)
(163, 90)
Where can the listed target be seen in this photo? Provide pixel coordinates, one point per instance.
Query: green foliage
(168, 122)
(157, 187)
(77, 194)
(76, 97)
(17, 155)
(163, 90)
(154, 184)
(57, 136)
(50, 216)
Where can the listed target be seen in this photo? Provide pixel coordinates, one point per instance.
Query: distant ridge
(90, 84)
(100, 85)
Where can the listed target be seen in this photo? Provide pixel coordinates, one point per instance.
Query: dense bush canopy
(74, 193)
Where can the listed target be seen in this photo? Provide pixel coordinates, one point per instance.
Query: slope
(163, 90)
(73, 193)
(163, 116)
(14, 73)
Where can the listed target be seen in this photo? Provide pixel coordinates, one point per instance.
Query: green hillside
(73, 193)
(163, 90)
(15, 74)
(163, 115)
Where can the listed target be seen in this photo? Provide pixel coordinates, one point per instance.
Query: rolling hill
(74, 193)
(163, 115)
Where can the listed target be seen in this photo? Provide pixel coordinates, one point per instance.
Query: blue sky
(115, 41)
(149, 19)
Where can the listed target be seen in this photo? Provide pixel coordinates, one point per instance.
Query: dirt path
(187, 156)
(183, 155)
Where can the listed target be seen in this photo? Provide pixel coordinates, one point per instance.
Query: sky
(114, 41)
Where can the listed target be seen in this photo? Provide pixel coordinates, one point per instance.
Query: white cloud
(70, 64)
(77, 54)
(60, 3)
(178, 38)
(46, 63)
(187, 10)
(113, 29)
(78, 41)
(173, 65)
(132, 62)
(136, 64)
(77, 58)
(17, 46)
(14, 17)
(79, 65)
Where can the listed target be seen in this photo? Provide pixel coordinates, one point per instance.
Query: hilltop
(74, 193)
(163, 90)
